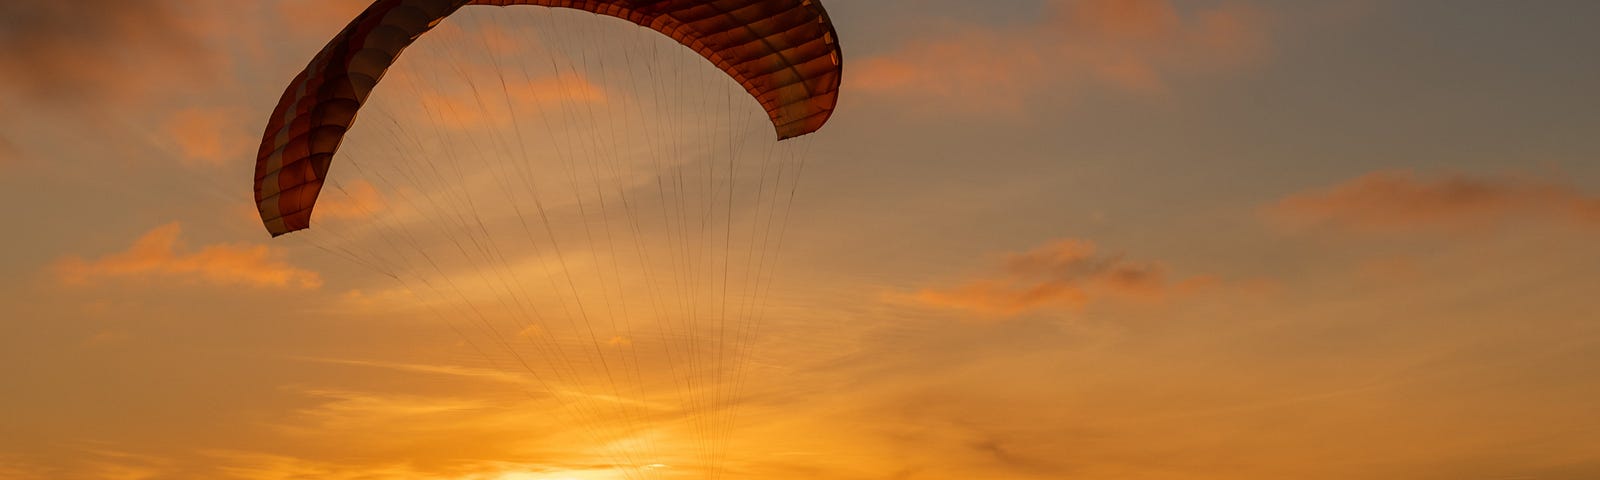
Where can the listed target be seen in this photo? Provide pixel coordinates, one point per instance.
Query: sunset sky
(1039, 239)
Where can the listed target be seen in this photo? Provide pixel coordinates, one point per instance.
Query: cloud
(319, 17)
(449, 370)
(160, 255)
(1402, 200)
(210, 136)
(105, 338)
(1390, 269)
(1133, 46)
(1065, 274)
(357, 199)
(350, 201)
(9, 152)
(501, 376)
(91, 459)
(240, 465)
(467, 108)
(344, 409)
(345, 433)
(93, 50)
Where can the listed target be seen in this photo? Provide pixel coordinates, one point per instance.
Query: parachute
(783, 52)
(593, 208)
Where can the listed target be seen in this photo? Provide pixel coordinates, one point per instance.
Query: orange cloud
(9, 153)
(1390, 269)
(1064, 274)
(355, 199)
(974, 65)
(211, 136)
(567, 86)
(461, 108)
(1127, 45)
(1393, 200)
(497, 38)
(160, 254)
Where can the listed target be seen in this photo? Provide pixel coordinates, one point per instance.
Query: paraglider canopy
(783, 52)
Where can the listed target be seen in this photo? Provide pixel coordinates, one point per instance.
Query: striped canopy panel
(784, 53)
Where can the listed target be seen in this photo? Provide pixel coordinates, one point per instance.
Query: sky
(1057, 239)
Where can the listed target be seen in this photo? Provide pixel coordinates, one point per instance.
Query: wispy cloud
(343, 408)
(449, 370)
(1403, 200)
(240, 465)
(9, 152)
(502, 376)
(161, 254)
(209, 136)
(356, 199)
(120, 465)
(1132, 46)
(434, 430)
(90, 459)
(467, 108)
(1064, 274)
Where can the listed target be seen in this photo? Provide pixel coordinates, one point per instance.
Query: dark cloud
(95, 50)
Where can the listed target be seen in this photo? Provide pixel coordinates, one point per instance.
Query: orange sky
(1085, 239)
